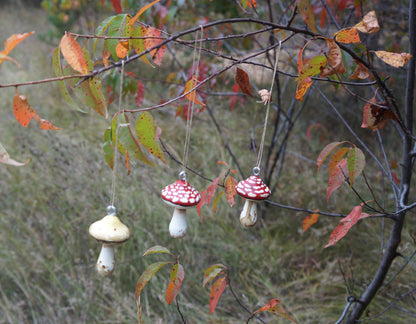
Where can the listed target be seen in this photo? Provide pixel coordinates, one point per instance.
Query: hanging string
(195, 62)
(260, 153)
(113, 182)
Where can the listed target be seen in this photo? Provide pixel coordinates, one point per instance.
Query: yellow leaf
(369, 23)
(302, 88)
(393, 59)
(73, 54)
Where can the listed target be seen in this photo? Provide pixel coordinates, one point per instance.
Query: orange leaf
(360, 72)
(211, 190)
(191, 96)
(273, 306)
(45, 124)
(302, 88)
(202, 202)
(335, 64)
(11, 43)
(393, 59)
(229, 190)
(251, 3)
(369, 23)
(143, 9)
(345, 225)
(73, 54)
(347, 36)
(23, 111)
(310, 220)
(242, 79)
(327, 151)
(338, 155)
(176, 277)
(337, 177)
(122, 49)
(217, 289)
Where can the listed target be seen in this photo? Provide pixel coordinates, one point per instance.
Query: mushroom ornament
(253, 189)
(180, 195)
(110, 231)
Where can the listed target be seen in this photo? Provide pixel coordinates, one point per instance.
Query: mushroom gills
(248, 216)
(178, 226)
(106, 262)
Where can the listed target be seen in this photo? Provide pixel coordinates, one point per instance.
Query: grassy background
(47, 259)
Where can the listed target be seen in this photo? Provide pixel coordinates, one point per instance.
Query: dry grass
(47, 258)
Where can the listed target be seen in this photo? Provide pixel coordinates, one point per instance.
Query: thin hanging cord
(195, 62)
(113, 182)
(260, 154)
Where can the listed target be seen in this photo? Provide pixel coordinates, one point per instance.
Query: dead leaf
(6, 159)
(369, 23)
(360, 72)
(393, 59)
(242, 79)
(335, 64)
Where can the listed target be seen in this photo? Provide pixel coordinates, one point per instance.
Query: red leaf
(395, 179)
(211, 190)
(216, 290)
(176, 277)
(336, 178)
(235, 89)
(202, 202)
(117, 6)
(310, 220)
(345, 225)
(242, 79)
(140, 93)
(152, 41)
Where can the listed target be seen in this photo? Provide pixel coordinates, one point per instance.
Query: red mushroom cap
(181, 193)
(253, 188)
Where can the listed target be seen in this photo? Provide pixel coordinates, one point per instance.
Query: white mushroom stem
(248, 216)
(178, 226)
(106, 262)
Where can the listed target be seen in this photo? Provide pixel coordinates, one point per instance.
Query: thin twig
(179, 310)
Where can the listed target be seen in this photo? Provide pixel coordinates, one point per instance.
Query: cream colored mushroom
(110, 231)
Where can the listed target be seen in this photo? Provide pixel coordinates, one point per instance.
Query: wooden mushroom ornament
(253, 189)
(180, 195)
(109, 231)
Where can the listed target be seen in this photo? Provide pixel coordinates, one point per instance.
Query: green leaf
(115, 29)
(312, 67)
(56, 64)
(108, 148)
(129, 142)
(146, 132)
(211, 273)
(157, 249)
(147, 275)
(356, 163)
(99, 31)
